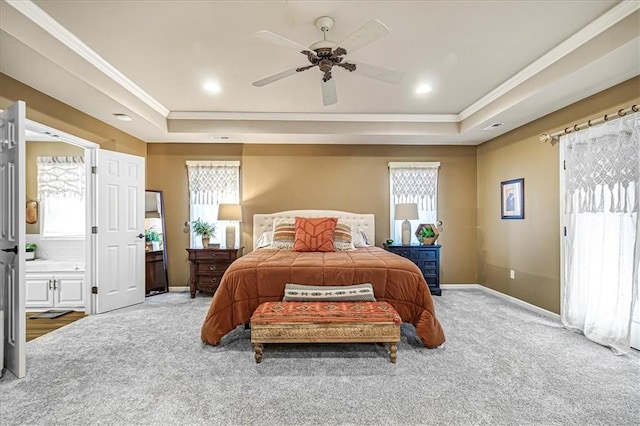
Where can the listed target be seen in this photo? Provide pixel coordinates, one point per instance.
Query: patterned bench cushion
(325, 312)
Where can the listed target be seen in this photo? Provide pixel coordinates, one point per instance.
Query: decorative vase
(205, 241)
(155, 245)
(427, 240)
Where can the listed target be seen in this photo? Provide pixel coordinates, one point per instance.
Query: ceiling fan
(328, 55)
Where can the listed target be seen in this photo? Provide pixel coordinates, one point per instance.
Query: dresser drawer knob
(212, 268)
(212, 254)
(214, 280)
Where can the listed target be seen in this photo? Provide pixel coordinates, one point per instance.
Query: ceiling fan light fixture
(323, 44)
(423, 88)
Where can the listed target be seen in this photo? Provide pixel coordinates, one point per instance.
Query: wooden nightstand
(427, 257)
(208, 266)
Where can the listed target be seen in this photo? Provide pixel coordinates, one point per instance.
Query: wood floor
(39, 326)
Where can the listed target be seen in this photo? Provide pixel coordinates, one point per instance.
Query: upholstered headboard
(264, 222)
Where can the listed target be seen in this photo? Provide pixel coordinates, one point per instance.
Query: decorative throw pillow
(359, 238)
(314, 234)
(265, 239)
(328, 293)
(284, 232)
(342, 239)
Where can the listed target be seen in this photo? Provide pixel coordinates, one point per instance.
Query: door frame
(90, 153)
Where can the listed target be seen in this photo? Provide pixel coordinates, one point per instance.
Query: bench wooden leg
(257, 349)
(393, 352)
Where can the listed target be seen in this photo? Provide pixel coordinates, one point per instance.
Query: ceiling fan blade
(378, 73)
(329, 94)
(369, 32)
(279, 40)
(275, 77)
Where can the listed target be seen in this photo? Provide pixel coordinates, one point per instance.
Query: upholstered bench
(325, 322)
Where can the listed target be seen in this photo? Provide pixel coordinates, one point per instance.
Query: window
(61, 189)
(413, 183)
(212, 183)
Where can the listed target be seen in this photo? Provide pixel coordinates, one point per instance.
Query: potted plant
(152, 237)
(30, 248)
(205, 229)
(427, 233)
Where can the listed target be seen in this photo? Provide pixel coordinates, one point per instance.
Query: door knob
(9, 250)
(140, 235)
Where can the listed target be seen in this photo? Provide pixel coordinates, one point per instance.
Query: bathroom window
(415, 183)
(61, 190)
(212, 183)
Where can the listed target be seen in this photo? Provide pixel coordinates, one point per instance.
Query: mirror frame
(164, 242)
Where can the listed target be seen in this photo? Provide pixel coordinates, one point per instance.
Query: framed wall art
(512, 199)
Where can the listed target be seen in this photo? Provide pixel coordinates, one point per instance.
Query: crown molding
(303, 116)
(590, 31)
(60, 33)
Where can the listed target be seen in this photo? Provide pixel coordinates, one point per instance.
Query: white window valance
(213, 182)
(62, 176)
(414, 183)
(602, 170)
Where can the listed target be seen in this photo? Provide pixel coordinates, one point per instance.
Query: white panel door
(12, 238)
(120, 239)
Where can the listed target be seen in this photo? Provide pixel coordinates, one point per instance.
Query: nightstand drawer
(214, 255)
(211, 267)
(208, 279)
(429, 271)
(426, 254)
(403, 252)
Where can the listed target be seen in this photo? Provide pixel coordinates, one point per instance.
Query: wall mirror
(156, 280)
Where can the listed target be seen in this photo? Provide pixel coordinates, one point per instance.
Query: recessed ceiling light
(212, 87)
(423, 88)
(122, 117)
(493, 126)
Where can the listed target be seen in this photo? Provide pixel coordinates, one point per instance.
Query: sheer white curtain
(413, 183)
(600, 282)
(212, 183)
(61, 189)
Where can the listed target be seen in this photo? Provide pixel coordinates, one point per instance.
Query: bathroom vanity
(54, 284)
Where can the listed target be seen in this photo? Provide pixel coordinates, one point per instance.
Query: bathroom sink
(38, 265)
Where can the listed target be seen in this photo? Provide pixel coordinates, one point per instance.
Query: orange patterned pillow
(314, 234)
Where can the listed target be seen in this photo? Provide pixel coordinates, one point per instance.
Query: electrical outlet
(512, 274)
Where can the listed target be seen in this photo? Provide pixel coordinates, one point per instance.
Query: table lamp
(406, 212)
(230, 212)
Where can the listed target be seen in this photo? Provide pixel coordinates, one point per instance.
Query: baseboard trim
(178, 289)
(506, 297)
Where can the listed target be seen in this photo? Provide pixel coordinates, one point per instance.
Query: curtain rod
(555, 137)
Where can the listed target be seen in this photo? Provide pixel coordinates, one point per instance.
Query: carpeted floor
(501, 365)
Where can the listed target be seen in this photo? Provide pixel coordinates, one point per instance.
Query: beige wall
(477, 245)
(531, 246)
(35, 149)
(51, 112)
(167, 172)
(338, 177)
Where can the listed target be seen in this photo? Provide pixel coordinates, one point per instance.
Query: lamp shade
(230, 212)
(406, 211)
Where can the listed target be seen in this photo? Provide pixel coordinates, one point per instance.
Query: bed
(261, 275)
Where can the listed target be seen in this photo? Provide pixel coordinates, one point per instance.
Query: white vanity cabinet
(55, 289)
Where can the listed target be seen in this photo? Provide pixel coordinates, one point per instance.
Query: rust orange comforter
(261, 275)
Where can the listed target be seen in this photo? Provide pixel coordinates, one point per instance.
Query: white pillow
(359, 237)
(265, 239)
